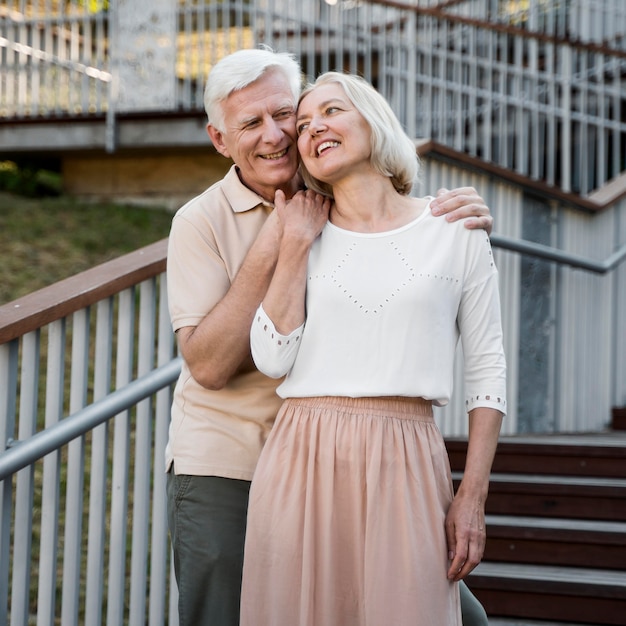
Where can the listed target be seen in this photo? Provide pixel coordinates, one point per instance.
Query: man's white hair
(242, 68)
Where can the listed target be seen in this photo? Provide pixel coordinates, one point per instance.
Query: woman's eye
(302, 127)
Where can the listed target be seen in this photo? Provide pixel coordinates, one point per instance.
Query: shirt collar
(240, 197)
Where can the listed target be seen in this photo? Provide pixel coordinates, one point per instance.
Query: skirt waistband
(399, 406)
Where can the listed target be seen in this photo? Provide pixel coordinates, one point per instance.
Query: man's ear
(218, 140)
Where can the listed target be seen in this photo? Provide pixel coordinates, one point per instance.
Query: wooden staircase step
(579, 595)
(556, 530)
(513, 621)
(555, 541)
(598, 454)
(556, 496)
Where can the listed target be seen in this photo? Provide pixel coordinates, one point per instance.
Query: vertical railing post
(55, 375)
(143, 465)
(112, 87)
(75, 487)
(121, 455)
(564, 74)
(160, 542)
(25, 482)
(8, 372)
(99, 468)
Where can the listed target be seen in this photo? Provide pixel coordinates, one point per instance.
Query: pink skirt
(346, 518)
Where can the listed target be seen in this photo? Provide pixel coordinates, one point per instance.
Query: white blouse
(384, 315)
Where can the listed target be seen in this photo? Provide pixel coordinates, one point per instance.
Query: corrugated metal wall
(618, 366)
(588, 324)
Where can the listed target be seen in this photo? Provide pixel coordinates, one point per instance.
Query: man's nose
(272, 132)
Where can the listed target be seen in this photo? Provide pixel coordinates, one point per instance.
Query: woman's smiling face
(333, 137)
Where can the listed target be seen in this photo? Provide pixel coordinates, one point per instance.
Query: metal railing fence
(537, 87)
(83, 532)
(55, 59)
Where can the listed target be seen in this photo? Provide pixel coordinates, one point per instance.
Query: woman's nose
(316, 126)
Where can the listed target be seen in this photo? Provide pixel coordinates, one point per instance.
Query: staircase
(556, 530)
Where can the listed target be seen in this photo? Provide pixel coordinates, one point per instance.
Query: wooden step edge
(608, 443)
(515, 621)
(573, 455)
(557, 529)
(609, 486)
(547, 579)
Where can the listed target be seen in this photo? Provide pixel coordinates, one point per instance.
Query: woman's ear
(217, 140)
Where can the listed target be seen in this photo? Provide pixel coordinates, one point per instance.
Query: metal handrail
(20, 454)
(559, 256)
(53, 59)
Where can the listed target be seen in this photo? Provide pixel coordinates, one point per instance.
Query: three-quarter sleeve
(273, 353)
(479, 321)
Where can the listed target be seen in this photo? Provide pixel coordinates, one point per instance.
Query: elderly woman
(352, 516)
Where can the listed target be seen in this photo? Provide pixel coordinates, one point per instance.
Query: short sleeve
(197, 277)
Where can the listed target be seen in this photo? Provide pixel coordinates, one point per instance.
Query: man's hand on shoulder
(463, 202)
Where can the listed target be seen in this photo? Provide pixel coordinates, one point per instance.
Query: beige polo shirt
(215, 433)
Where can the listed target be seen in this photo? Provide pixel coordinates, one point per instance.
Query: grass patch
(43, 240)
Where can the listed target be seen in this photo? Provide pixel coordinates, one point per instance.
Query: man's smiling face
(259, 134)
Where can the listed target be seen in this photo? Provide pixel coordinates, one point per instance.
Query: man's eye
(285, 114)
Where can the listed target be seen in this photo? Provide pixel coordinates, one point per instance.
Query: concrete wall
(160, 178)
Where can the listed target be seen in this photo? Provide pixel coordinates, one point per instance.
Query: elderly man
(222, 251)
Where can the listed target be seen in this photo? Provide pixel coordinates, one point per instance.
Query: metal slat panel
(120, 474)
(9, 377)
(74, 500)
(99, 469)
(142, 458)
(160, 548)
(46, 592)
(618, 291)
(24, 484)
(586, 315)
